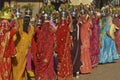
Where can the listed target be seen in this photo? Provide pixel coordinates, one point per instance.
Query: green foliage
(47, 9)
(29, 6)
(6, 9)
(65, 7)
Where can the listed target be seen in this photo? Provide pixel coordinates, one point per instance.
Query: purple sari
(94, 42)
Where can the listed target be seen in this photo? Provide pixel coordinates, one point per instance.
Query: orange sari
(85, 48)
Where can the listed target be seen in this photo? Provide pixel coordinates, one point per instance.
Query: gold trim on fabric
(4, 43)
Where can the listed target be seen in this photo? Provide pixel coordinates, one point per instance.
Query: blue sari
(108, 51)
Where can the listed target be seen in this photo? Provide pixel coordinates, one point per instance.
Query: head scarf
(26, 23)
(4, 27)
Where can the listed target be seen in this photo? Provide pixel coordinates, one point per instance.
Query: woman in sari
(23, 43)
(63, 42)
(45, 41)
(7, 48)
(95, 41)
(116, 21)
(108, 51)
(86, 66)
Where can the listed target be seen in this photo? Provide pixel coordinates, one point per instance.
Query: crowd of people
(59, 44)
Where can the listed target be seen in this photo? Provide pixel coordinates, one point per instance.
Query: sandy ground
(103, 72)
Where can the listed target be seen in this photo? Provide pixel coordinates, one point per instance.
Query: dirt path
(104, 72)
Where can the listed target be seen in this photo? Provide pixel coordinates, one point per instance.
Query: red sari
(94, 42)
(7, 50)
(85, 48)
(63, 42)
(44, 69)
(33, 50)
(116, 21)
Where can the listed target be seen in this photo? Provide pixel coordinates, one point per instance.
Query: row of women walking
(64, 45)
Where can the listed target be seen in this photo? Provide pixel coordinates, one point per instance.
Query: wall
(77, 2)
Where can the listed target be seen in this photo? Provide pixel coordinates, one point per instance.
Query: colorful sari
(116, 21)
(108, 51)
(85, 47)
(63, 42)
(29, 64)
(33, 51)
(95, 42)
(23, 43)
(7, 50)
(44, 65)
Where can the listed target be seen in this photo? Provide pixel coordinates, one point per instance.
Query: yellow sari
(22, 44)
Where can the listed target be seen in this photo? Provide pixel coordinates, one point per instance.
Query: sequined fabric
(44, 67)
(63, 42)
(7, 50)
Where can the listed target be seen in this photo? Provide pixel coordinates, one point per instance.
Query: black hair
(26, 23)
